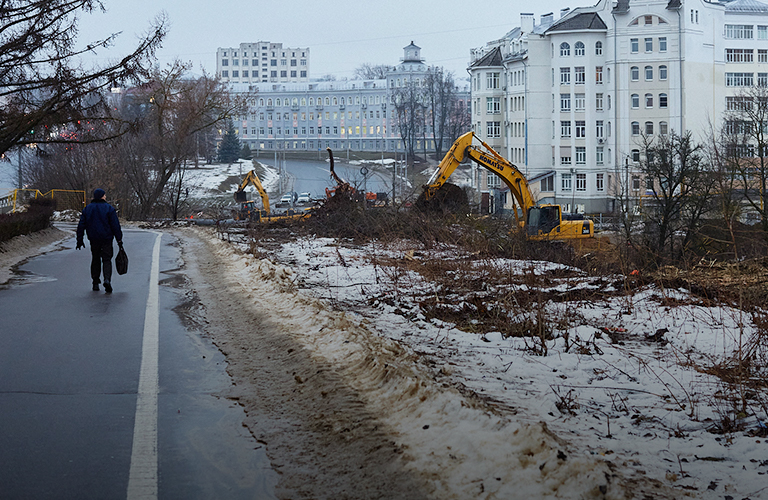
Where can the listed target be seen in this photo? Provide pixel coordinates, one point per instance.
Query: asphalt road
(111, 396)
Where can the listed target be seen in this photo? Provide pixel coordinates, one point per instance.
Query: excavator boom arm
(450, 161)
(484, 156)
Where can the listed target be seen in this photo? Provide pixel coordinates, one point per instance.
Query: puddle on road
(20, 278)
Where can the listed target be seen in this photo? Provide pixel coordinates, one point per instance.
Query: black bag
(121, 261)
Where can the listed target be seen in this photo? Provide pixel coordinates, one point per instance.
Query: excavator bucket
(240, 196)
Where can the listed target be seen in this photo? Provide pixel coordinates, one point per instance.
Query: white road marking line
(142, 479)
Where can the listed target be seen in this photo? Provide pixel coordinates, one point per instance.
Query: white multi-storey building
(356, 115)
(569, 100)
(262, 62)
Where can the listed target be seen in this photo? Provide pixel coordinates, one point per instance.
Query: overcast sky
(341, 36)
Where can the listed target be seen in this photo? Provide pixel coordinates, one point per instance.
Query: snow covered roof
(746, 6)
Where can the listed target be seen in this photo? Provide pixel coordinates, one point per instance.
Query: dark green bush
(36, 218)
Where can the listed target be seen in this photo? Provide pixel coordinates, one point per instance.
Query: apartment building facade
(570, 100)
(262, 62)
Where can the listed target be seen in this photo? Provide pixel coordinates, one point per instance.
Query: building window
(493, 129)
(662, 44)
(548, 184)
(599, 183)
(634, 45)
(235, 74)
(565, 102)
(649, 44)
(579, 102)
(635, 101)
(635, 128)
(579, 75)
(565, 179)
(636, 158)
(648, 73)
(739, 55)
(565, 128)
(762, 79)
(662, 72)
(578, 49)
(565, 76)
(663, 128)
(581, 129)
(662, 100)
(739, 79)
(738, 103)
(738, 31)
(648, 100)
(648, 128)
(492, 80)
(225, 74)
(634, 73)
(599, 159)
(762, 55)
(598, 102)
(598, 75)
(493, 105)
(565, 49)
(581, 179)
(599, 129)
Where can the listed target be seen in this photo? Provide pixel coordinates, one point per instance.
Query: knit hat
(98, 193)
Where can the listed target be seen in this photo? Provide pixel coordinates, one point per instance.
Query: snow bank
(461, 444)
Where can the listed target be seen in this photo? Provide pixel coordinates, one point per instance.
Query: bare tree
(746, 146)
(369, 71)
(440, 91)
(43, 87)
(169, 111)
(410, 107)
(727, 194)
(675, 177)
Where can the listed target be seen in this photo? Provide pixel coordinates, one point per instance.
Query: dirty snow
(606, 396)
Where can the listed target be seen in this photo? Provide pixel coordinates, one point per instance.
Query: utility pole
(20, 178)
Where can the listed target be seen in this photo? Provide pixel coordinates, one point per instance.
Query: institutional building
(569, 100)
(290, 111)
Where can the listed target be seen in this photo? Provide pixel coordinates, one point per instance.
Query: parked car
(289, 198)
(304, 198)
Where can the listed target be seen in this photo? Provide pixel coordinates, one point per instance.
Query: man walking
(99, 222)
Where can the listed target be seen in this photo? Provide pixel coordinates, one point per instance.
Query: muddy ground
(320, 437)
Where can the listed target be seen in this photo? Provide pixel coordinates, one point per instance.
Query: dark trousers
(101, 255)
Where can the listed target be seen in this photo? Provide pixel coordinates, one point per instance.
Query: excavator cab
(547, 222)
(543, 220)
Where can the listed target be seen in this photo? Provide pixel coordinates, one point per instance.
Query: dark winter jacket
(99, 222)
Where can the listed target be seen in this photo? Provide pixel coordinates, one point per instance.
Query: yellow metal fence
(66, 199)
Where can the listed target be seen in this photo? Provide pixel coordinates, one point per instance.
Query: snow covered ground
(206, 180)
(619, 397)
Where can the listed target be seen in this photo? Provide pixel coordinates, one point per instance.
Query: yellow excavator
(247, 209)
(544, 222)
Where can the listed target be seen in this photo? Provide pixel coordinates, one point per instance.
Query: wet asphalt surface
(69, 370)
